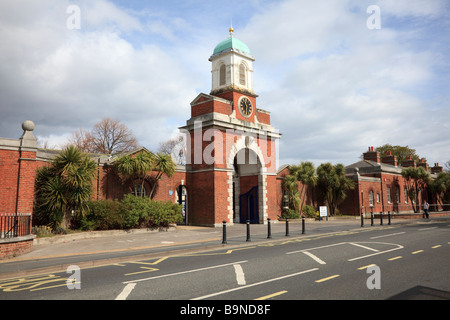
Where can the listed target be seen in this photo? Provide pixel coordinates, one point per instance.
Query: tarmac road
(330, 261)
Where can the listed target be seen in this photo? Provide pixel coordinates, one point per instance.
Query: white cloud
(333, 86)
(76, 77)
(339, 87)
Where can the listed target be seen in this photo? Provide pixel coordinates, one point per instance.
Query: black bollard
(389, 218)
(303, 225)
(287, 227)
(371, 218)
(224, 237)
(269, 234)
(381, 218)
(362, 219)
(248, 231)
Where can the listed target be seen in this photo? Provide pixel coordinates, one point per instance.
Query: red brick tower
(231, 154)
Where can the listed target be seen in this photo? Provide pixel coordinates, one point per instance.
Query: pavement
(103, 247)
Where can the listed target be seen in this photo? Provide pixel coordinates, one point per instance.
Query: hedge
(131, 212)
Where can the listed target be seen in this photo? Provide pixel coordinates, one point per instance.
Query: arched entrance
(248, 188)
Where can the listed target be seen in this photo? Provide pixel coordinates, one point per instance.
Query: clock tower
(231, 145)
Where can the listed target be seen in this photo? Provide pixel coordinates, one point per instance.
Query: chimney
(437, 168)
(389, 159)
(423, 164)
(409, 162)
(372, 155)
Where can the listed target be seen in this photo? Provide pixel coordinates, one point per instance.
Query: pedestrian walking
(425, 209)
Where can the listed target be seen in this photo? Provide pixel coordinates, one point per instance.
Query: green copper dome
(231, 43)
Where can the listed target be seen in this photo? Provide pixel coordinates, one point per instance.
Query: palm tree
(416, 180)
(136, 167)
(140, 165)
(334, 185)
(306, 174)
(65, 186)
(164, 165)
(290, 184)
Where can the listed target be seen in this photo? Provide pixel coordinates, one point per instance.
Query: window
(242, 74)
(406, 194)
(378, 198)
(222, 75)
(389, 194)
(397, 192)
(371, 198)
(138, 190)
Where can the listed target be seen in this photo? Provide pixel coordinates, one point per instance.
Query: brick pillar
(26, 169)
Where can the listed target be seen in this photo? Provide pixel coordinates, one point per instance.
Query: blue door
(248, 206)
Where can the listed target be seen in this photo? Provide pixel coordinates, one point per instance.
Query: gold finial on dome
(231, 28)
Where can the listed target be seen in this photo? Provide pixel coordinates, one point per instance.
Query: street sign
(323, 212)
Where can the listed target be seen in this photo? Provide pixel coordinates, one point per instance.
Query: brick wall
(17, 174)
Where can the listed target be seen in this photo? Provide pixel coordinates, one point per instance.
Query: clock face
(245, 107)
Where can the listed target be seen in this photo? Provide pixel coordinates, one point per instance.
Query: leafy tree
(401, 152)
(64, 187)
(136, 166)
(290, 185)
(139, 166)
(441, 188)
(163, 165)
(306, 174)
(333, 184)
(416, 180)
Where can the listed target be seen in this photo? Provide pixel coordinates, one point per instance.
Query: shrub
(131, 212)
(309, 211)
(164, 213)
(103, 215)
(135, 211)
(42, 231)
(290, 214)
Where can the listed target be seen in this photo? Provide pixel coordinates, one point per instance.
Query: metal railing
(14, 225)
(396, 208)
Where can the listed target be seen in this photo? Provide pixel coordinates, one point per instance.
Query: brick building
(230, 173)
(380, 186)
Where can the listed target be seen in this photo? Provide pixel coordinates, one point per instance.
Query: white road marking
(423, 229)
(364, 247)
(240, 276)
(388, 235)
(255, 284)
(326, 246)
(126, 291)
(358, 244)
(381, 252)
(184, 272)
(316, 258)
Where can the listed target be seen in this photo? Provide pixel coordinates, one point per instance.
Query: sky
(336, 76)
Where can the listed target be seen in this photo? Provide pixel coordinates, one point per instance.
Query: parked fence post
(269, 234)
(371, 218)
(362, 219)
(303, 225)
(248, 231)
(287, 227)
(381, 218)
(224, 237)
